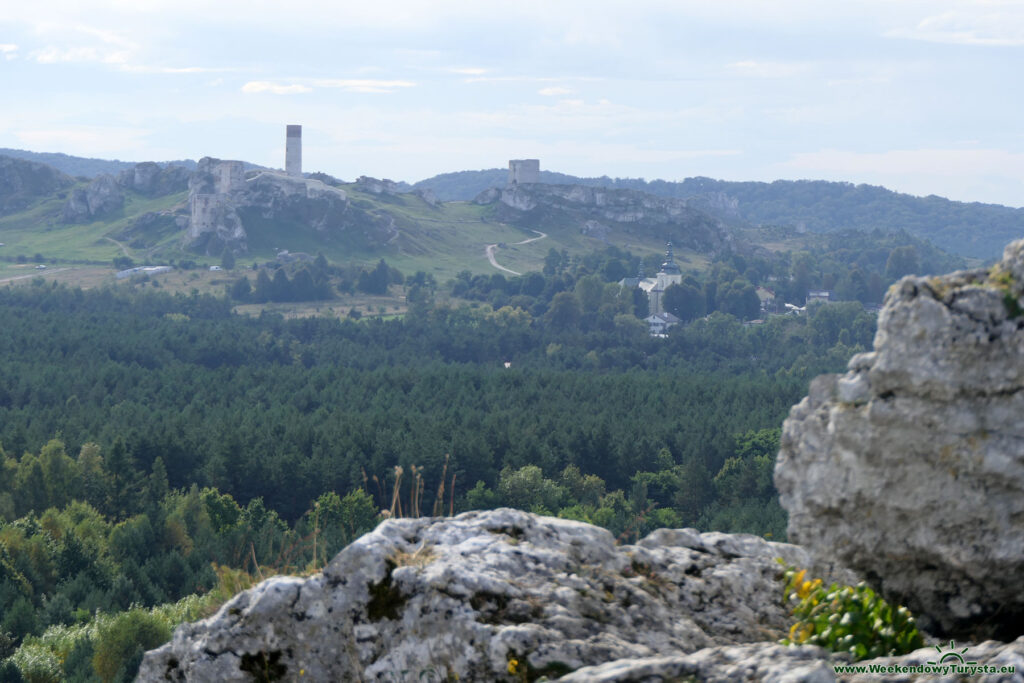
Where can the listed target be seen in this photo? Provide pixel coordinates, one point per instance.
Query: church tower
(670, 274)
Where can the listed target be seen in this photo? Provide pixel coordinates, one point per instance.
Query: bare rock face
(102, 197)
(616, 210)
(910, 467)
(427, 195)
(365, 183)
(225, 202)
(989, 662)
(468, 595)
(724, 664)
(152, 180)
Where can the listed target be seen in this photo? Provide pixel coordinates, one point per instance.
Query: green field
(441, 240)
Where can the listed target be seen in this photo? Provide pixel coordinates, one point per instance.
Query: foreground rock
(910, 468)
(470, 594)
(990, 661)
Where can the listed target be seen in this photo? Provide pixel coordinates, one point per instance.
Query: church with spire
(655, 287)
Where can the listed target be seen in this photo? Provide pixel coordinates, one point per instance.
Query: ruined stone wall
(523, 171)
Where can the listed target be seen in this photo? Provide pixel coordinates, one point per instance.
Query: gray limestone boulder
(724, 664)
(990, 661)
(372, 185)
(428, 196)
(102, 197)
(153, 180)
(469, 594)
(910, 467)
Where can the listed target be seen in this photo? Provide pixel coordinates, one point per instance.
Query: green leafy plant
(851, 619)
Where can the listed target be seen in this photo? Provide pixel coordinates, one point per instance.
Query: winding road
(123, 248)
(33, 274)
(489, 251)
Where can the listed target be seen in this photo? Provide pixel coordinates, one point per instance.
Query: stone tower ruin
(523, 171)
(293, 151)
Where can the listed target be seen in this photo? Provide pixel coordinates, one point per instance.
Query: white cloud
(55, 55)
(362, 84)
(115, 141)
(81, 43)
(144, 68)
(529, 79)
(555, 91)
(253, 87)
(755, 69)
(8, 50)
(964, 27)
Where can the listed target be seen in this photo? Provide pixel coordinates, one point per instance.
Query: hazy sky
(920, 96)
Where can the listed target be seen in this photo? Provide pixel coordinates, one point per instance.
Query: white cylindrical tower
(293, 151)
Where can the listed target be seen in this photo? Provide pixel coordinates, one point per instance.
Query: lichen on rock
(466, 595)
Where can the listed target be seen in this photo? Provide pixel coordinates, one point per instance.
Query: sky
(922, 97)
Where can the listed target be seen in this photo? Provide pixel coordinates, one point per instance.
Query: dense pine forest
(156, 448)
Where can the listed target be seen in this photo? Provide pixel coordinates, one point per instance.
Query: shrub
(851, 619)
(121, 640)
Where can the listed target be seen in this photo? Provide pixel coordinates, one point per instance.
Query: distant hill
(82, 166)
(24, 182)
(969, 229)
(146, 213)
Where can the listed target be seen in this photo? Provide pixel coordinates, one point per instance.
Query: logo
(951, 656)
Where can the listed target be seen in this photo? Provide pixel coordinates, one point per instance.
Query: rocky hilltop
(153, 180)
(102, 197)
(910, 468)
(598, 212)
(226, 204)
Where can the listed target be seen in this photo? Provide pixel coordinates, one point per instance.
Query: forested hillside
(146, 436)
(968, 229)
(155, 447)
(83, 166)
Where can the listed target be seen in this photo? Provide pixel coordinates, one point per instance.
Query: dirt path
(34, 274)
(123, 249)
(490, 249)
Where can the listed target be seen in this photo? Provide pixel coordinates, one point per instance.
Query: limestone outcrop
(469, 594)
(365, 183)
(910, 467)
(101, 198)
(226, 203)
(616, 210)
(807, 664)
(153, 180)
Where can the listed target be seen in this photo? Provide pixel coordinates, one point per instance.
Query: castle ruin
(523, 171)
